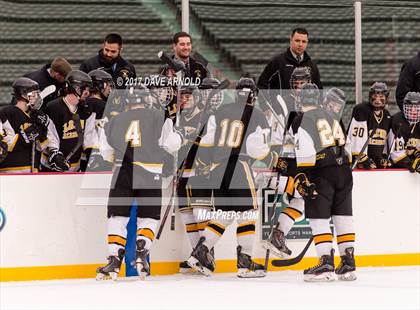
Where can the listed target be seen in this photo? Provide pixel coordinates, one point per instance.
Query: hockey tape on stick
(294, 260)
(47, 91)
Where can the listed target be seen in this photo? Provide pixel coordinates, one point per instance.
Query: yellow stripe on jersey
(346, 238)
(146, 232)
(117, 239)
(292, 213)
(323, 238)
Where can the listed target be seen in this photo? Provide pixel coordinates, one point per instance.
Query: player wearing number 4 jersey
(322, 159)
(138, 139)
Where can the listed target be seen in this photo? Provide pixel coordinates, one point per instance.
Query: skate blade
(246, 273)
(188, 271)
(194, 264)
(323, 277)
(348, 276)
(106, 277)
(275, 251)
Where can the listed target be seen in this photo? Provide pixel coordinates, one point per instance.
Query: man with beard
(53, 73)
(110, 60)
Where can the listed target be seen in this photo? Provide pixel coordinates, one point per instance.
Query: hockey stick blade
(294, 260)
(47, 91)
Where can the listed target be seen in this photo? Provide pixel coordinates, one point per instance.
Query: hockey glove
(415, 165)
(32, 133)
(57, 161)
(304, 187)
(281, 166)
(384, 163)
(3, 149)
(97, 162)
(39, 118)
(366, 163)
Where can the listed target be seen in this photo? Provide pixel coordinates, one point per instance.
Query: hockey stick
(194, 150)
(79, 130)
(294, 260)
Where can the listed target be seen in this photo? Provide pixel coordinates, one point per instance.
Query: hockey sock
(345, 232)
(200, 220)
(290, 214)
(245, 233)
(191, 228)
(117, 234)
(146, 228)
(213, 231)
(322, 236)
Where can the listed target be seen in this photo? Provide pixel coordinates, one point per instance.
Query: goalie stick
(294, 260)
(180, 171)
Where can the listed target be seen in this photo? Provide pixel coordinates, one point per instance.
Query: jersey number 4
(330, 136)
(133, 134)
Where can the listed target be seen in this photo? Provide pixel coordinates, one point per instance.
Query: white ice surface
(376, 288)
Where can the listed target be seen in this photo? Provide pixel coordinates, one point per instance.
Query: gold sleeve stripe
(346, 238)
(146, 232)
(117, 240)
(323, 238)
(290, 186)
(292, 213)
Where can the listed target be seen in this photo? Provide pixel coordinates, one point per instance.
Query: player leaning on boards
(137, 138)
(26, 129)
(322, 159)
(405, 134)
(370, 124)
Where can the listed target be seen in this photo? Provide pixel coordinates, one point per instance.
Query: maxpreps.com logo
(2, 219)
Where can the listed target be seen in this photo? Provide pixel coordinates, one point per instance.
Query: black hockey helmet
(411, 107)
(246, 88)
(27, 90)
(100, 80)
(309, 95)
(138, 95)
(334, 100)
(209, 83)
(77, 82)
(378, 88)
(300, 74)
(190, 97)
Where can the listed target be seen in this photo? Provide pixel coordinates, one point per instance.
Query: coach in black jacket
(110, 60)
(409, 79)
(277, 73)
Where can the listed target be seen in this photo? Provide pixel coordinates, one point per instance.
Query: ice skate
(201, 259)
(323, 272)
(346, 270)
(142, 265)
(111, 270)
(184, 268)
(248, 268)
(276, 243)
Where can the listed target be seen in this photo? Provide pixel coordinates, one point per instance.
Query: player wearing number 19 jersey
(321, 158)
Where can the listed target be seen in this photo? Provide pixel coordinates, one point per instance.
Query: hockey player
(137, 138)
(194, 195)
(285, 164)
(404, 137)
(74, 124)
(4, 148)
(371, 122)
(237, 132)
(25, 126)
(322, 159)
(102, 86)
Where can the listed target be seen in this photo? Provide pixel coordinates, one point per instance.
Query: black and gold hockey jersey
(226, 135)
(319, 140)
(19, 159)
(66, 131)
(403, 140)
(363, 121)
(140, 137)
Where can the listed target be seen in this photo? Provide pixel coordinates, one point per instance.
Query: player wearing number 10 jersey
(322, 159)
